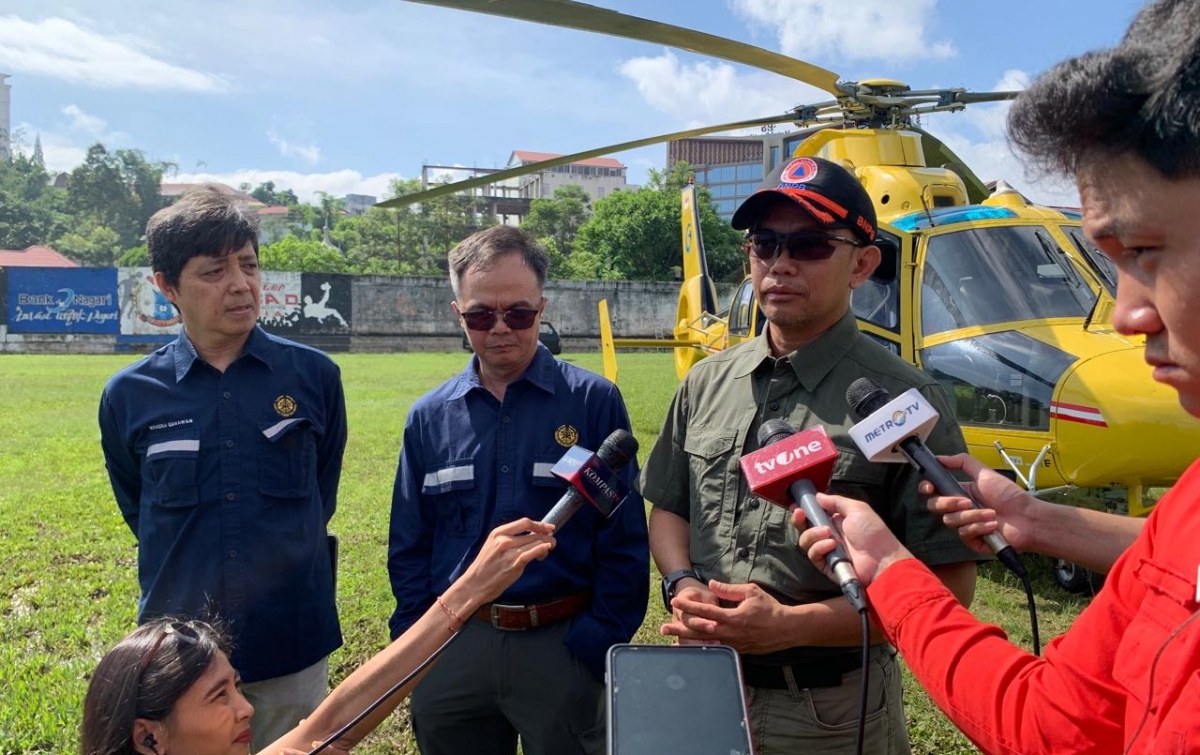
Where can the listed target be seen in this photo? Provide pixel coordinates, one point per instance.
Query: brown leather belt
(519, 618)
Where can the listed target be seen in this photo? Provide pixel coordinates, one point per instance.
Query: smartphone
(676, 698)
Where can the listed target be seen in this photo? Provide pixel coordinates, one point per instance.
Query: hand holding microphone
(894, 430)
(792, 467)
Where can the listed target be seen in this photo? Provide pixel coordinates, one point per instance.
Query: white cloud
(58, 48)
(848, 29)
(306, 185)
(84, 121)
(311, 153)
(704, 93)
(979, 136)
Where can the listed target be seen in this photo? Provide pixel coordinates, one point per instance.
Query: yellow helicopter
(1004, 302)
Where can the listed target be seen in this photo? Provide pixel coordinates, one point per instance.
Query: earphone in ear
(151, 742)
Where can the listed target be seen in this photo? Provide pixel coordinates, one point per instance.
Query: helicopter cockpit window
(877, 300)
(1004, 379)
(1101, 264)
(741, 309)
(982, 276)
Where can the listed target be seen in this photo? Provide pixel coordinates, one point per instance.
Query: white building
(598, 176)
(5, 119)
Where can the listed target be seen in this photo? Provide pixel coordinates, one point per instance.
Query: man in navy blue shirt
(224, 450)
(477, 453)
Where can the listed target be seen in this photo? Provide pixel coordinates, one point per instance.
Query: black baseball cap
(823, 189)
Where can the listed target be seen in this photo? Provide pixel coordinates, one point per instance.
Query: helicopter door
(742, 312)
(876, 303)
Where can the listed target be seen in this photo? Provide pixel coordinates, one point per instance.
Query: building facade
(732, 167)
(598, 176)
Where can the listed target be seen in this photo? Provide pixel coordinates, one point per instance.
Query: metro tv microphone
(593, 477)
(792, 466)
(895, 430)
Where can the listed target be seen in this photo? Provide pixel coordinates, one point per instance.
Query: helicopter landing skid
(1030, 481)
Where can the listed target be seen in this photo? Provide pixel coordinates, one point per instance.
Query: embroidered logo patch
(799, 171)
(566, 436)
(285, 406)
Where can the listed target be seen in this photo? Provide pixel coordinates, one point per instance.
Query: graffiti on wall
(327, 303)
(279, 306)
(144, 309)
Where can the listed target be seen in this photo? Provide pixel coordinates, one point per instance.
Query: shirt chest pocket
(712, 472)
(856, 477)
(1148, 643)
(452, 492)
(287, 457)
(171, 469)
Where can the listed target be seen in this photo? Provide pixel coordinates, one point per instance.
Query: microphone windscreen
(773, 431)
(865, 396)
(617, 449)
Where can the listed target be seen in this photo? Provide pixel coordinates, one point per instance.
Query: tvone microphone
(791, 467)
(593, 477)
(887, 425)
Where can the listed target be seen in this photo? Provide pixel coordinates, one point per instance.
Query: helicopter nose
(1116, 426)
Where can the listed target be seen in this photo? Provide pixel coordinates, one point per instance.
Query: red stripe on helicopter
(1088, 415)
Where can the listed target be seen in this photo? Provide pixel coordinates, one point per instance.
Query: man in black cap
(732, 571)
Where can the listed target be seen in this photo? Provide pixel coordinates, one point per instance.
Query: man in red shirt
(1125, 122)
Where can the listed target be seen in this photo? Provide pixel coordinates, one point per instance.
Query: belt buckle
(494, 613)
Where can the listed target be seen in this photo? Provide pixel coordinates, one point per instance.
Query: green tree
(559, 218)
(429, 230)
(134, 256)
(636, 235)
(118, 190)
(30, 209)
(91, 245)
(377, 242)
(297, 255)
(265, 192)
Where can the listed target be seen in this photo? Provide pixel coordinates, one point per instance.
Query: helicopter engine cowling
(1115, 427)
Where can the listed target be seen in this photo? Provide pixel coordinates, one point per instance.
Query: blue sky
(343, 96)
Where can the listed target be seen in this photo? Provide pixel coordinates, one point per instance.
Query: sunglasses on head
(517, 318)
(182, 630)
(805, 246)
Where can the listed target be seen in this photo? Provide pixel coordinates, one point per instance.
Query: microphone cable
(862, 688)
(1033, 621)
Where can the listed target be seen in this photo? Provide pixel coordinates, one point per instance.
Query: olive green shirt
(693, 470)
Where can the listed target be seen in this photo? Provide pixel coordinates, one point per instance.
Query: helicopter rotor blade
(498, 176)
(575, 15)
(968, 98)
(938, 154)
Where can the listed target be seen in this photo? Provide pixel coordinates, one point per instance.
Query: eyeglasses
(181, 629)
(805, 246)
(517, 318)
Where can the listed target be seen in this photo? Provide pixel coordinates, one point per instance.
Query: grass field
(67, 561)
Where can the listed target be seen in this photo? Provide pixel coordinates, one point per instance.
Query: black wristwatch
(672, 579)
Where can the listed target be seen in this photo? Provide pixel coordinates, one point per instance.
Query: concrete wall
(381, 313)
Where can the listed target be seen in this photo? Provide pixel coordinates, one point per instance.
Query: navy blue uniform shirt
(228, 481)
(470, 463)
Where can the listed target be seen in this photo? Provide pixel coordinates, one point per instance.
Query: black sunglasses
(518, 318)
(805, 246)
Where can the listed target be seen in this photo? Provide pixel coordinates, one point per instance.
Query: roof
(34, 256)
(533, 157)
(273, 210)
